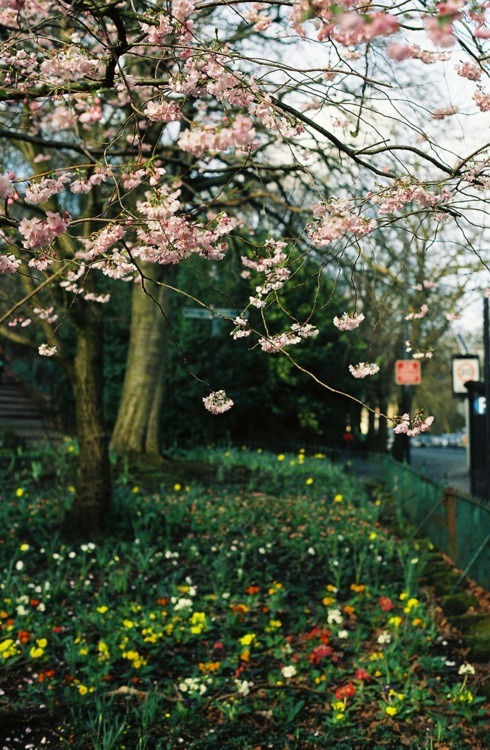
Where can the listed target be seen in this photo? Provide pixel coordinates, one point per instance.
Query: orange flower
(23, 636)
(252, 590)
(239, 609)
(349, 610)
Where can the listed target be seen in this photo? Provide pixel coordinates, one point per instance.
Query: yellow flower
(248, 639)
(403, 596)
(102, 609)
(198, 622)
(391, 710)
(395, 621)
(36, 652)
(281, 457)
(103, 650)
(135, 490)
(24, 547)
(19, 492)
(177, 487)
(7, 649)
(42, 642)
(372, 536)
(378, 503)
(338, 706)
(309, 480)
(273, 625)
(338, 498)
(410, 605)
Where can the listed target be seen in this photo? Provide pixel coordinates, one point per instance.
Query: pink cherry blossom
(37, 233)
(348, 321)
(9, 263)
(217, 402)
(6, 187)
(363, 369)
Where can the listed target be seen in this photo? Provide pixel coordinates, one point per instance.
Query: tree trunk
(137, 424)
(91, 506)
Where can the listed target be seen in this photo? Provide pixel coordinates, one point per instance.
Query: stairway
(25, 416)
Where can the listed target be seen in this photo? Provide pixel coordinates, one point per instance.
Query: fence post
(450, 503)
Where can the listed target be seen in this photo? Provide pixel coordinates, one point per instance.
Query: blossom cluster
(348, 321)
(217, 402)
(363, 369)
(412, 426)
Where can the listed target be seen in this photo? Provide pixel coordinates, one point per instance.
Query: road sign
(465, 368)
(408, 372)
(202, 313)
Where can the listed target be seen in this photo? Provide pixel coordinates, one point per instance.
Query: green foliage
(272, 397)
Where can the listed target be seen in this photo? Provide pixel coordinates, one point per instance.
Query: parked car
(422, 441)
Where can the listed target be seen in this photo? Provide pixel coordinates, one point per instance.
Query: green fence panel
(455, 524)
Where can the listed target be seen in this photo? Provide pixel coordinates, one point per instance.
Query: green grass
(266, 608)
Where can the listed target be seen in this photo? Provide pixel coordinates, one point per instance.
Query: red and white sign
(408, 372)
(464, 368)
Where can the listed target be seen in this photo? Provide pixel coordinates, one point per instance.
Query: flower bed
(231, 618)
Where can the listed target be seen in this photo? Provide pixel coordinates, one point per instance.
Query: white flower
(243, 687)
(46, 351)
(183, 604)
(384, 638)
(466, 669)
(288, 671)
(334, 616)
(343, 634)
(19, 565)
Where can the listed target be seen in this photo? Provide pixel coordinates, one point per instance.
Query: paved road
(445, 465)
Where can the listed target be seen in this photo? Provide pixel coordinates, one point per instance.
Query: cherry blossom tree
(137, 135)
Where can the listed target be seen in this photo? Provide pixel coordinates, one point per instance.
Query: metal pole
(486, 376)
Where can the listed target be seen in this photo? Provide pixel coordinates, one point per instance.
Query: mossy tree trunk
(89, 513)
(137, 424)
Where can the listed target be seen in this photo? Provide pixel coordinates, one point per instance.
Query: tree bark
(137, 424)
(91, 506)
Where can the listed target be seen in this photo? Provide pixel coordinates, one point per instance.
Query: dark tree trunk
(91, 506)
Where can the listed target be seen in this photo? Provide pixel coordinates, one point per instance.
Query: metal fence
(456, 524)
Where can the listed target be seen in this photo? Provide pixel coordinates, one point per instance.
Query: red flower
(345, 691)
(361, 674)
(385, 603)
(319, 653)
(322, 634)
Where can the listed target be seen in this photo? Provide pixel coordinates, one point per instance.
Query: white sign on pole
(464, 368)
